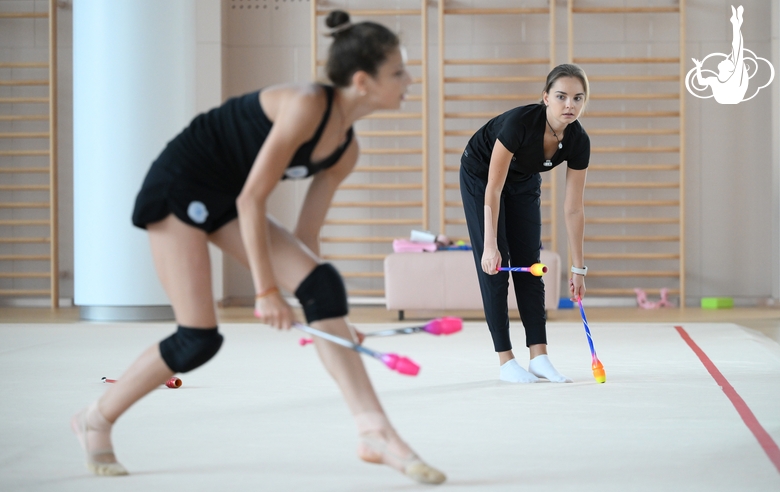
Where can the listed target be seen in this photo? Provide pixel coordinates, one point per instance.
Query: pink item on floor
(172, 383)
(641, 300)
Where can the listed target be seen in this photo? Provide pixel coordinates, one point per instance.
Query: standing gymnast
(211, 184)
(501, 189)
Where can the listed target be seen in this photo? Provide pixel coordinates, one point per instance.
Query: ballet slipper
(641, 299)
(375, 447)
(664, 302)
(100, 461)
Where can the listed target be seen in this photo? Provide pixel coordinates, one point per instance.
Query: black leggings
(519, 242)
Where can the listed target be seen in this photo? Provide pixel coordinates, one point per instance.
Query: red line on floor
(763, 437)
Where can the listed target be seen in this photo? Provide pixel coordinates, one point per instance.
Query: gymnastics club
(395, 362)
(596, 366)
(537, 269)
(172, 383)
(439, 326)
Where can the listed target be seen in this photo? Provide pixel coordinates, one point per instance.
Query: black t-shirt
(521, 131)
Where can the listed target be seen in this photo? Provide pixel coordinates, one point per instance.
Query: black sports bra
(301, 165)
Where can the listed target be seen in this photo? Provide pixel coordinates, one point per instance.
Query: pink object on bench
(447, 280)
(407, 246)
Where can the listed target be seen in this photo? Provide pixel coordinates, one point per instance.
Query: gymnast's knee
(190, 348)
(322, 294)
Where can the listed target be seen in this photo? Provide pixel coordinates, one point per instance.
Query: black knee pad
(322, 294)
(189, 348)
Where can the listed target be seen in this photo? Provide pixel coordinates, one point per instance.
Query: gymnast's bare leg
(181, 258)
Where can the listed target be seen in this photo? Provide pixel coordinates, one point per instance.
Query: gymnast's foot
(511, 372)
(541, 367)
(94, 433)
(380, 444)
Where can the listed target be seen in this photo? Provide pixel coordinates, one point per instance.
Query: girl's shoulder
(301, 100)
(526, 117)
(529, 112)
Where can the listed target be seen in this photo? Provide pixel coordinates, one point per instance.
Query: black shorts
(197, 204)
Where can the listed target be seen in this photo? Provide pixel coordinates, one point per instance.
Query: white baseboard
(35, 302)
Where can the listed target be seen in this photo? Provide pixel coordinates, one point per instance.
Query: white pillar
(133, 90)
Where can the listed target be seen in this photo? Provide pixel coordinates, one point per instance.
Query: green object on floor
(717, 302)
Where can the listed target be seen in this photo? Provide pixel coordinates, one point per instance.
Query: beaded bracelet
(267, 292)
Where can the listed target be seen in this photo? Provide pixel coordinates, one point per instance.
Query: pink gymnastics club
(439, 326)
(395, 362)
(172, 383)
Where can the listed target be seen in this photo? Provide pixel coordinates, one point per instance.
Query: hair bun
(337, 18)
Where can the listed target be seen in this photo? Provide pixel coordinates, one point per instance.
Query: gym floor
(691, 402)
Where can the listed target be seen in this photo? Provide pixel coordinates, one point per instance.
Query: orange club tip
(538, 269)
(598, 371)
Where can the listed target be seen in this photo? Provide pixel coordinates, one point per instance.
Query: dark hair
(567, 70)
(362, 46)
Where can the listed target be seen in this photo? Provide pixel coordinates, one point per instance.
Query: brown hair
(567, 70)
(362, 46)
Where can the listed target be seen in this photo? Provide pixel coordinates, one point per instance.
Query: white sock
(541, 366)
(512, 372)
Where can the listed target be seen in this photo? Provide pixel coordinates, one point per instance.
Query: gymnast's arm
(500, 159)
(574, 214)
(298, 113)
(319, 196)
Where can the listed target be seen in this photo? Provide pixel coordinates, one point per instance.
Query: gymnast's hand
(273, 310)
(491, 260)
(577, 286)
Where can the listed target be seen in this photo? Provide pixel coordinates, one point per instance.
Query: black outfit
(201, 172)
(521, 131)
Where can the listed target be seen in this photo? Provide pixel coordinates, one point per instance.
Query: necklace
(560, 145)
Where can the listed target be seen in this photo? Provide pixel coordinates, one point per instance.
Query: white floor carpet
(263, 415)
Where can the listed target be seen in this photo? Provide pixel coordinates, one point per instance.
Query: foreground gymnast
(211, 184)
(501, 189)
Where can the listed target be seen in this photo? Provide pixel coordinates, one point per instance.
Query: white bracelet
(579, 271)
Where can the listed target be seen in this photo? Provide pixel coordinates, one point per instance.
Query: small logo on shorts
(296, 172)
(198, 212)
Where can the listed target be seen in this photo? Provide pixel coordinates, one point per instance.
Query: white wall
(775, 224)
(730, 188)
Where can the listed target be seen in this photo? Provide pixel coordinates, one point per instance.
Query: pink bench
(447, 280)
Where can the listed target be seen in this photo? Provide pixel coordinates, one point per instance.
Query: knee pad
(189, 348)
(322, 294)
